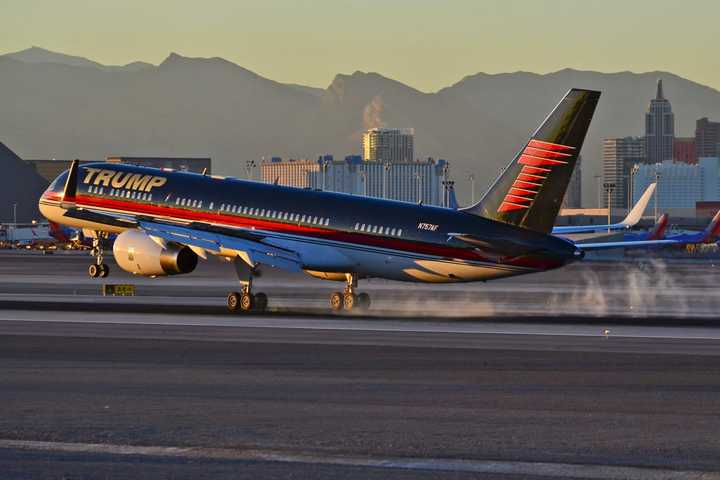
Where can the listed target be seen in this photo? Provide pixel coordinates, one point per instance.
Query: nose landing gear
(98, 269)
(348, 300)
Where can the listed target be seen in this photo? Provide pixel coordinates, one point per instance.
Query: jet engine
(137, 253)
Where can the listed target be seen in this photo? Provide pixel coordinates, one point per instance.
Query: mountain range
(61, 106)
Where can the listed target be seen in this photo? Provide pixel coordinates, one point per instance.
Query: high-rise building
(659, 128)
(619, 157)
(680, 185)
(684, 150)
(707, 138)
(293, 173)
(573, 195)
(404, 181)
(388, 145)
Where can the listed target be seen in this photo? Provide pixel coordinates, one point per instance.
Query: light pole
(363, 175)
(609, 187)
(657, 190)
(250, 169)
(631, 187)
(386, 170)
(15, 214)
(472, 188)
(418, 177)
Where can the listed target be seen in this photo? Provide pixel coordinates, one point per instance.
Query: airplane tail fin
(713, 230)
(529, 191)
(634, 216)
(658, 231)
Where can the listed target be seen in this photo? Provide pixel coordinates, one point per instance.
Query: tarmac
(558, 378)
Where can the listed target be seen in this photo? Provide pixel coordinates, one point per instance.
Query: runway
(167, 384)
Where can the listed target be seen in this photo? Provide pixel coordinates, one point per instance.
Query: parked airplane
(165, 220)
(632, 218)
(656, 233)
(709, 235)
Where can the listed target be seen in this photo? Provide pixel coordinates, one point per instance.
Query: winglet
(70, 190)
(634, 216)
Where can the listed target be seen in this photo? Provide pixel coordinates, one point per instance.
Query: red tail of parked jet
(658, 231)
(529, 191)
(710, 234)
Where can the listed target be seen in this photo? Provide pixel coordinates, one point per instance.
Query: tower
(659, 128)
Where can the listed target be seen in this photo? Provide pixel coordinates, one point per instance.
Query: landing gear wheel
(247, 302)
(233, 301)
(261, 302)
(349, 301)
(336, 301)
(104, 270)
(94, 270)
(363, 301)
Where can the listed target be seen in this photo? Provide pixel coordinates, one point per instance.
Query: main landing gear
(98, 269)
(348, 299)
(245, 300)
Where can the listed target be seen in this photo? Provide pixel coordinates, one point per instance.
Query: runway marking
(374, 325)
(542, 469)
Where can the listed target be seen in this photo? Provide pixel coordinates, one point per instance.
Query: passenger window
(177, 201)
(302, 219)
(374, 229)
(327, 221)
(393, 231)
(399, 232)
(211, 206)
(357, 226)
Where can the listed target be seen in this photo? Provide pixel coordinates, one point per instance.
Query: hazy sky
(426, 44)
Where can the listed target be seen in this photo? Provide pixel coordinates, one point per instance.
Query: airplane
(709, 235)
(656, 233)
(632, 218)
(166, 220)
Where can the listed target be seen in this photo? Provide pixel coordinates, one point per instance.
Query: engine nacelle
(137, 253)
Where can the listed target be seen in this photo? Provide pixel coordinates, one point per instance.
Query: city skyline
(433, 45)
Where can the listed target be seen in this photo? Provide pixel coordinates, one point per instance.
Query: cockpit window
(58, 185)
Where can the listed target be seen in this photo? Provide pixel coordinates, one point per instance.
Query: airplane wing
(90, 215)
(200, 238)
(632, 218)
(249, 246)
(610, 245)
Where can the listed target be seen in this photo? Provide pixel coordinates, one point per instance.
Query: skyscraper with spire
(659, 128)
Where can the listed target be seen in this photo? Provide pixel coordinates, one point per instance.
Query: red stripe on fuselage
(313, 232)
